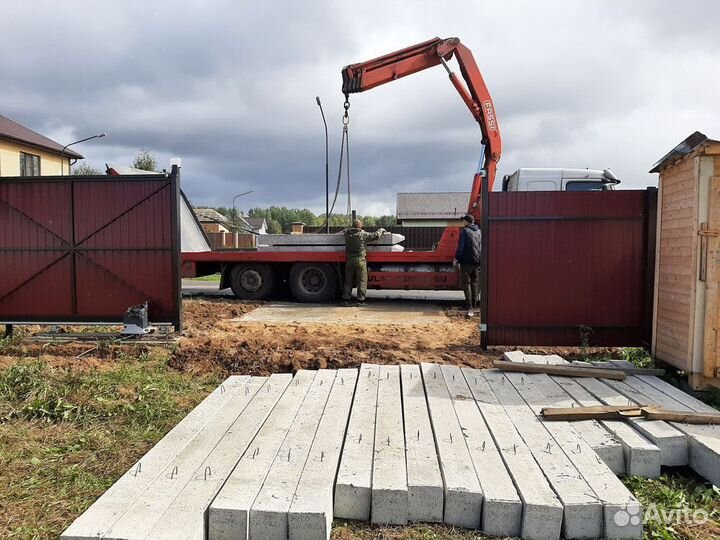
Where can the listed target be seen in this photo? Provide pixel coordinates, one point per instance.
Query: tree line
(280, 218)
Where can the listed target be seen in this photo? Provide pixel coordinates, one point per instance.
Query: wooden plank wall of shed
(676, 264)
(711, 348)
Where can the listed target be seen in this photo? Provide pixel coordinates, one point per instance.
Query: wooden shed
(687, 263)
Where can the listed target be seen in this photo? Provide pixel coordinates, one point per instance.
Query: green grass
(66, 436)
(672, 491)
(212, 277)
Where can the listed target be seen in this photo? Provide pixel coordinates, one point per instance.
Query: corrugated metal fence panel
(416, 238)
(84, 249)
(561, 261)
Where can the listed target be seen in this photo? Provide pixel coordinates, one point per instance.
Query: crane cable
(344, 154)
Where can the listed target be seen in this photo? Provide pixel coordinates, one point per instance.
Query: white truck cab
(529, 179)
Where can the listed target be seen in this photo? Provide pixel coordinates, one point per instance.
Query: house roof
(440, 205)
(686, 147)
(9, 129)
(256, 222)
(209, 215)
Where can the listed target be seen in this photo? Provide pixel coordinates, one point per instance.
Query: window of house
(29, 164)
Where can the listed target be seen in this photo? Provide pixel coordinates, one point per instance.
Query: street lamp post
(235, 211)
(327, 170)
(62, 154)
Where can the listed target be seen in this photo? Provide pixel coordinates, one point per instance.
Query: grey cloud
(230, 87)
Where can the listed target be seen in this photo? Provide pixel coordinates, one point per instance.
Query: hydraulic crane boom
(387, 68)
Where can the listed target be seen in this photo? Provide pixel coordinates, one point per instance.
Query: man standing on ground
(356, 264)
(468, 256)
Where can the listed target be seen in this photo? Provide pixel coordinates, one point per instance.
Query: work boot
(346, 303)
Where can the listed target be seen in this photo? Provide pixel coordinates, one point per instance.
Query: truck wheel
(252, 281)
(311, 282)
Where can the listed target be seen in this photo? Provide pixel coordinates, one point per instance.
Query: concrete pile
(279, 457)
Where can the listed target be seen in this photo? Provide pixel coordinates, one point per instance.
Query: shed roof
(9, 129)
(438, 205)
(695, 140)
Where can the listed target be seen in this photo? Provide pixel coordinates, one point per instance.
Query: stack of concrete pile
(323, 242)
(281, 457)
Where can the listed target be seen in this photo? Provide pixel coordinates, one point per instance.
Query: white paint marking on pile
(542, 511)
(583, 512)
(269, 512)
(389, 479)
(105, 512)
(311, 512)
(425, 485)
(228, 515)
(354, 478)
(463, 494)
(145, 511)
(502, 507)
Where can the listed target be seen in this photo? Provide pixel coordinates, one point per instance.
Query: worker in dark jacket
(356, 263)
(468, 257)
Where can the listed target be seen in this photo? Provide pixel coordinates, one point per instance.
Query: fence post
(484, 264)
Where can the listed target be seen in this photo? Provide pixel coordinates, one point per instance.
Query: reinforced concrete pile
(279, 457)
(324, 242)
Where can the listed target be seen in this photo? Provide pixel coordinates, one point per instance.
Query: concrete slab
(389, 479)
(671, 442)
(463, 494)
(395, 313)
(642, 458)
(502, 507)
(582, 512)
(228, 515)
(542, 511)
(322, 239)
(269, 512)
(311, 512)
(104, 513)
(540, 391)
(188, 513)
(137, 522)
(425, 485)
(353, 486)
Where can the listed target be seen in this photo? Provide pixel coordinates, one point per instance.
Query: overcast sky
(230, 86)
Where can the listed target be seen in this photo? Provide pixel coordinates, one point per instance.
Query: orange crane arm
(475, 94)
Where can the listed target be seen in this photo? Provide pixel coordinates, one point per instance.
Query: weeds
(637, 356)
(677, 491)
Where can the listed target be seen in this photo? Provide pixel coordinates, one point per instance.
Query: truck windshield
(584, 186)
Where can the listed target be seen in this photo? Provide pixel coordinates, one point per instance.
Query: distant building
(431, 209)
(213, 221)
(257, 224)
(23, 152)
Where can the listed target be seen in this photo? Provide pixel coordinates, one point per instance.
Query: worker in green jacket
(356, 263)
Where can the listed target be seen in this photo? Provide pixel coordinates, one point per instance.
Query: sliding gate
(569, 268)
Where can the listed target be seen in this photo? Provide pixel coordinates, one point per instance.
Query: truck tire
(252, 281)
(311, 282)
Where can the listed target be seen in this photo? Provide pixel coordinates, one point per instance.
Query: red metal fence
(567, 268)
(84, 249)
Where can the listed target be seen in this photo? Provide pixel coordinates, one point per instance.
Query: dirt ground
(215, 341)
